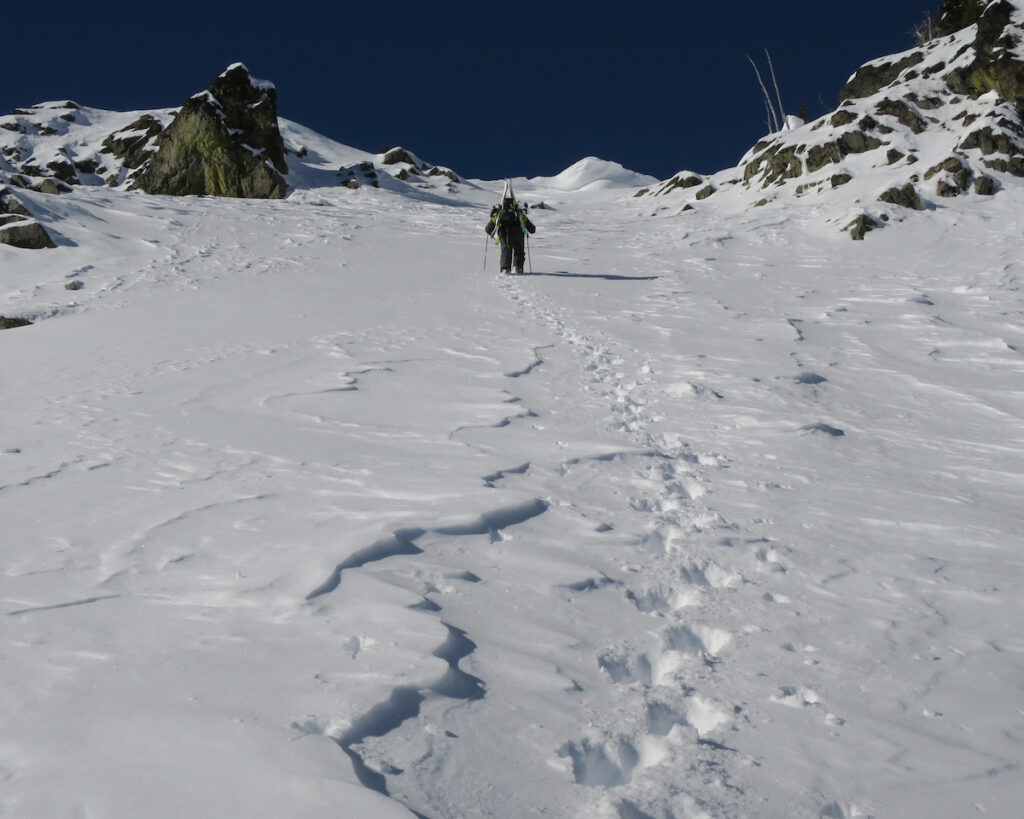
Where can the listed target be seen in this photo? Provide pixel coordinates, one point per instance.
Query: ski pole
(487, 241)
(528, 259)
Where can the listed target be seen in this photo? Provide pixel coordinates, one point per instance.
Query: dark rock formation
(860, 226)
(775, 164)
(905, 197)
(955, 177)
(841, 118)
(64, 170)
(396, 155)
(955, 15)
(985, 186)
(995, 67)
(448, 173)
(873, 77)
(402, 165)
(51, 186)
(903, 113)
(680, 181)
(17, 227)
(25, 233)
(223, 142)
(355, 176)
(10, 204)
(134, 144)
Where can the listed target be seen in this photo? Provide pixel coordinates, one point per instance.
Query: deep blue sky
(489, 88)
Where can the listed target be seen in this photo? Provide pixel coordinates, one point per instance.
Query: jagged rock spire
(223, 142)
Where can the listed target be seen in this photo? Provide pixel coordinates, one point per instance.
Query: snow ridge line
(403, 540)
(404, 704)
(405, 701)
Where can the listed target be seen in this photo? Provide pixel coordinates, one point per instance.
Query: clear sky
(489, 88)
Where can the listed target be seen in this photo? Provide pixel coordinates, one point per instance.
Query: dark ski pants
(513, 251)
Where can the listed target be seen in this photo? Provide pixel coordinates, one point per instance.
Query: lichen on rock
(224, 141)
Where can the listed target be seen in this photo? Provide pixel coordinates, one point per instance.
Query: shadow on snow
(611, 277)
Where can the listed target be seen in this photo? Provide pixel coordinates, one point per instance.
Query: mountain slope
(715, 514)
(297, 490)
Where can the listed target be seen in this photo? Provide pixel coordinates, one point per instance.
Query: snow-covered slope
(716, 514)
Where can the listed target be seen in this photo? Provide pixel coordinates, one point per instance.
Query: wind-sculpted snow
(304, 514)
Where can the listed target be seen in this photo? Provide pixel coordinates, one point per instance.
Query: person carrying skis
(508, 225)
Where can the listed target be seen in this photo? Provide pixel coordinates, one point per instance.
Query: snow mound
(592, 173)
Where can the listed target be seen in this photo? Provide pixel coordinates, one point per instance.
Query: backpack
(507, 218)
(509, 214)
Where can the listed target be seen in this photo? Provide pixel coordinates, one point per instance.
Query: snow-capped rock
(224, 141)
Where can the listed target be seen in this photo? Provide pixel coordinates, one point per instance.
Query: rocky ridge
(402, 165)
(224, 141)
(940, 120)
(53, 145)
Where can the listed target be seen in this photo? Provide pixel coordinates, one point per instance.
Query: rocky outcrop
(47, 151)
(905, 196)
(956, 98)
(394, 156)
(447, 173)
(861, 226)
(995, 66)
(25, 233)
(17, 227)
(133, 145)
(874, 76)
(682, 181)
(224, 141)
(355, 176)
(399, 164)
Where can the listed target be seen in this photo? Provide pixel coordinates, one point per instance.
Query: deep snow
(714, 514)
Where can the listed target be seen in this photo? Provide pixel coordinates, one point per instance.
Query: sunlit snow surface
(717, 514)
